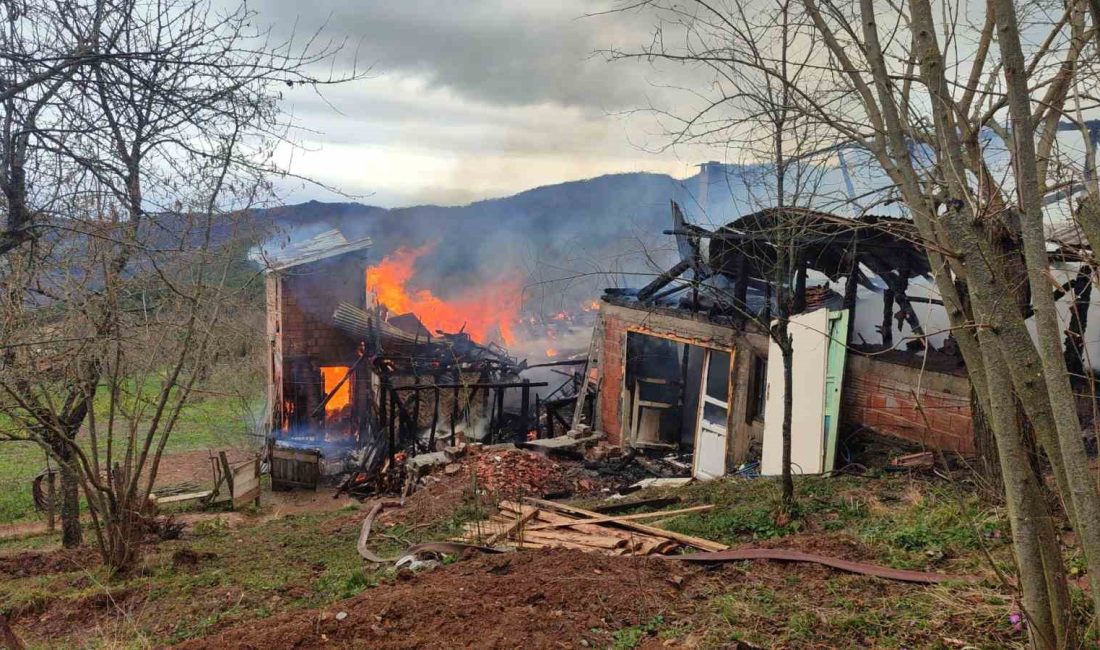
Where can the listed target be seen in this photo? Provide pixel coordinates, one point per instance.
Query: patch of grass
(209, 421)
(942, 524)
(629, 637)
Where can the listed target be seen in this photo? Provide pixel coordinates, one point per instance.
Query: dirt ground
(288, 576)
(555, 598)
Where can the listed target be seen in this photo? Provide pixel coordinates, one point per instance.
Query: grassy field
(211, 421)
(309, 561)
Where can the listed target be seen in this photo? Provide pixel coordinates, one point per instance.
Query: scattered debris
(519, 473)
(661, 482)
(546, 524)
(920, 460)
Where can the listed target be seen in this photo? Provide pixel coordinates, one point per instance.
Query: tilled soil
(548, 598)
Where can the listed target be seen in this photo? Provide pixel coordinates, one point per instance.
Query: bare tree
(123, 173)
(960, 112)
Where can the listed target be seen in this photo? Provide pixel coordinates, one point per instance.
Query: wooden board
(697, 542)
(183, 498)
(246, 484)
(834, 382)
(294, 468)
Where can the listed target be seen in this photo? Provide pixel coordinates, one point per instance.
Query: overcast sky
(473, 99)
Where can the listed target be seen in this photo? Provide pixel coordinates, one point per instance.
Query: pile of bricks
(515, 473)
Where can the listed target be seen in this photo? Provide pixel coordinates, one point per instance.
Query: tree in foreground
(958, 106)
(136, 135)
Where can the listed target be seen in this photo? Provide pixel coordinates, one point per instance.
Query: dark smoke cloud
(497, 51)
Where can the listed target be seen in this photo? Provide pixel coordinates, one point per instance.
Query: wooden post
(538, 415)
(524, 405)
(500, 412)
(799, 286)
(435, 419)
(888, 318)
(741, 286)
(383, 412)
(395, 421)
(454, 407)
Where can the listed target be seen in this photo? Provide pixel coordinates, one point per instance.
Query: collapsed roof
(731, 271)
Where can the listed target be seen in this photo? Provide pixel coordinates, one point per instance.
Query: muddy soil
(549, 598)
(39, 563)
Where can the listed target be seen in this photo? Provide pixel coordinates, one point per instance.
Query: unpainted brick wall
(929, 408)
(611, 378)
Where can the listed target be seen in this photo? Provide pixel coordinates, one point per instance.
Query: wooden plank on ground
(660, 514)
(697, 542)
(181, 498)
(515, 525)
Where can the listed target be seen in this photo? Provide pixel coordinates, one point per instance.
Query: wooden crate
(295, 468)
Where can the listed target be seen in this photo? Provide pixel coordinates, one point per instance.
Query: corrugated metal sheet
(329, 243)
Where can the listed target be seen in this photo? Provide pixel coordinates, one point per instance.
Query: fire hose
(730, 555)
(415, 549)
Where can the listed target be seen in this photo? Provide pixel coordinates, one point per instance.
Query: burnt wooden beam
(661, 280)
(799, 303)
(524, 406)
(887, 326)
(1074, 346)
(435, 419)
(474, 386)
(741, 284)
(567, 362)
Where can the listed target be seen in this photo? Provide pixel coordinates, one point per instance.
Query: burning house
(355, 387)
(318, 397)
(684, 361)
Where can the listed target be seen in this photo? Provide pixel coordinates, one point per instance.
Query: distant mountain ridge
(581, 230)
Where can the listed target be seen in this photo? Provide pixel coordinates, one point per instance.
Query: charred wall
(617, 320)
(300, 302)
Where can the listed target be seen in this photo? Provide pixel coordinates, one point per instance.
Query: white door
(713, 421)
(810, 343)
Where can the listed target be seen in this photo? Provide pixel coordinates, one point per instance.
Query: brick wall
(611, 376)
(304, 333)
(617, 320)
(929, 408)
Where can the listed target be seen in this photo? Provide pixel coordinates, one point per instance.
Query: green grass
(267, 564)
(275, 564)
(209, 421)
(907, 527)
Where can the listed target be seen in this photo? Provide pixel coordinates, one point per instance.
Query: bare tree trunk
(1082, 490)
(71, 532)
(1042, 576)
(988, 463)
(788, 406)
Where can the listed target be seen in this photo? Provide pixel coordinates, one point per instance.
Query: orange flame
(490, 309)
(551, 353)
(330, 376)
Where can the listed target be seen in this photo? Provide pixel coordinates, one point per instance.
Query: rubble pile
(517, 473)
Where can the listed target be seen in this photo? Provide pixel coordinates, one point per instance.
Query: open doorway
(676, 398)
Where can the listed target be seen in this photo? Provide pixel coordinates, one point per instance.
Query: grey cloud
(496, 51)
